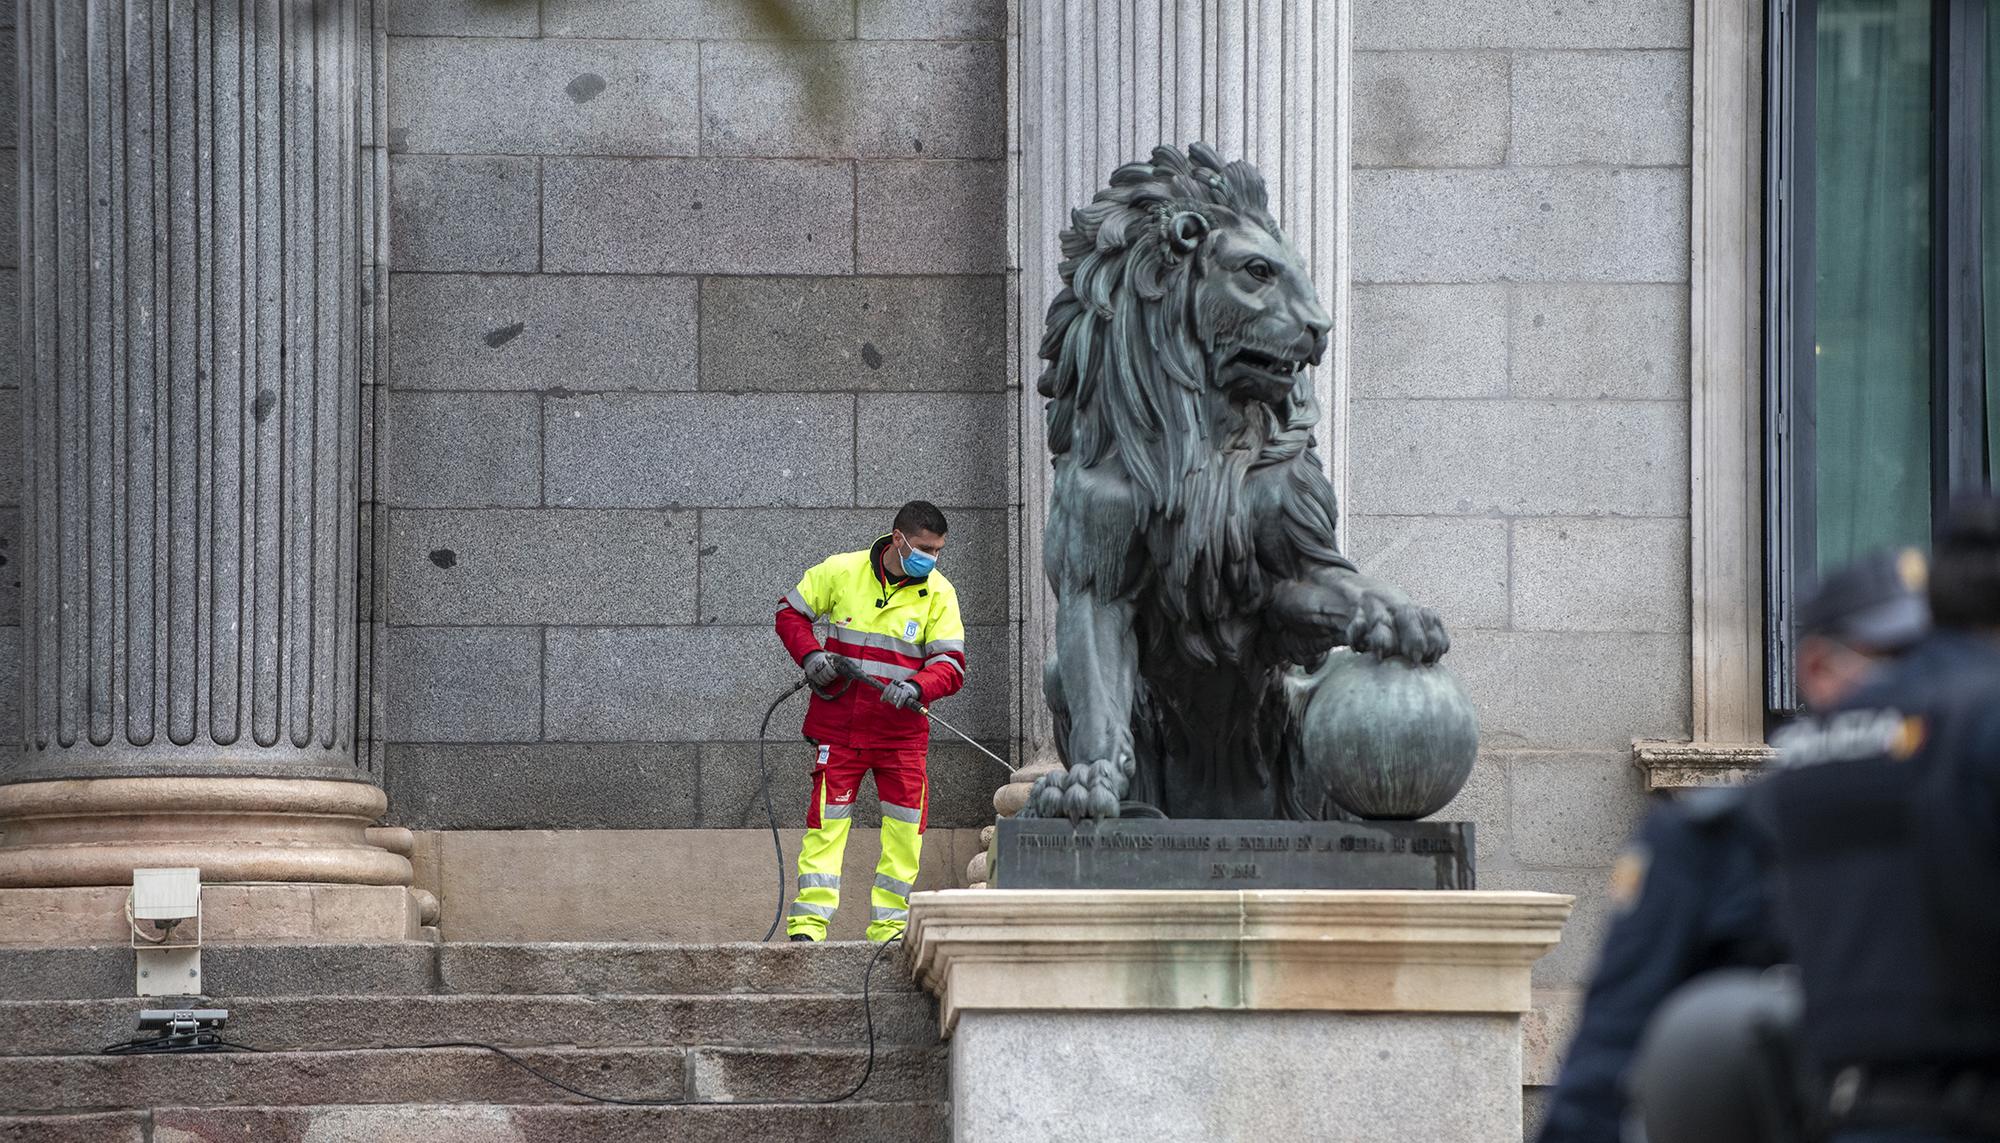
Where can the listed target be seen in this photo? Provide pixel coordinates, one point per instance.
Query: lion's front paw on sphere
(1090, 790)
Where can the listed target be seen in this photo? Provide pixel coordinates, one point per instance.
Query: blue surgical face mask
(916, 563)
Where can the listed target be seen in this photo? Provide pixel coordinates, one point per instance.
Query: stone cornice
(1263, 950)
(1693, 765)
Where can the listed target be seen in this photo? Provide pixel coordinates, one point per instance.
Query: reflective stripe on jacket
(899, 629)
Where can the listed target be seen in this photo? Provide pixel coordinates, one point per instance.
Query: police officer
(1884, 866)
(1687, 891)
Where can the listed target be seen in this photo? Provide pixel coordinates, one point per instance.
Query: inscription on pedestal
(1138, 853)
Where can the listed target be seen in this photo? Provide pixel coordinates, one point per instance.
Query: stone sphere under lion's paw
(1388, 738)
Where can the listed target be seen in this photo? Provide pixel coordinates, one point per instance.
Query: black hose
(770, 814)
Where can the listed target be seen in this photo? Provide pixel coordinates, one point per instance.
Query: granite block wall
(1520, 418)
(677, 311)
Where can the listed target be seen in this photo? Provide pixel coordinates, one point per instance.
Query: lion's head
(1179, 347)
(1186, 326)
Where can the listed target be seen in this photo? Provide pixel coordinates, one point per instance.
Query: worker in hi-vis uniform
(895, 617)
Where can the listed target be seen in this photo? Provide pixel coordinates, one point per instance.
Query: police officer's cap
(1876, 603)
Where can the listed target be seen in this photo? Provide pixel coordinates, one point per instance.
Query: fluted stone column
(203, 271)
(1099, 83)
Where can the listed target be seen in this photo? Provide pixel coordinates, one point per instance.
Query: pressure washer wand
(849, 669)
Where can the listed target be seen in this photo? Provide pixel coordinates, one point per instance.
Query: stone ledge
(1018, 950)
(1695, 765)
(270, 913)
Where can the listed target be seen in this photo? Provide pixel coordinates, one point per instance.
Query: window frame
(1958, 451)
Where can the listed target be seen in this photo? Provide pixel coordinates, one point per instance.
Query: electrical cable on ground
(209, 1042)
(770, 814)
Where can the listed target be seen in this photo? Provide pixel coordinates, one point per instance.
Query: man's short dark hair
(1965, 570)
(920, 516)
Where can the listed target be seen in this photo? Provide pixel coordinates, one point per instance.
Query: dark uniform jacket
(1884, 863)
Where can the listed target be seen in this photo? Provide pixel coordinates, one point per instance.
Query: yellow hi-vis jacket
(905, 628)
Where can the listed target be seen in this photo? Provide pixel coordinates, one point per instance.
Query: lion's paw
(1088, 790)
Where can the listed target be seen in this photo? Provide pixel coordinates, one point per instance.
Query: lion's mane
(1128, 378)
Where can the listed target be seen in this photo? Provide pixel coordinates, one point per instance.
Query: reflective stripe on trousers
(899, 778)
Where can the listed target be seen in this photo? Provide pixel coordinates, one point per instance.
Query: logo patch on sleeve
(910, 631)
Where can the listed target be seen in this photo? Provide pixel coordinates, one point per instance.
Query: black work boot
(804, 937)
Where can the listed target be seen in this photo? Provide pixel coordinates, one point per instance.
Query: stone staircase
(743, 1035)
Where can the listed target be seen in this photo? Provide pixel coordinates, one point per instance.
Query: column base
(266, 914)
(95, 831)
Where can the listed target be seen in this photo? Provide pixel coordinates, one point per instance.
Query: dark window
(1882, 283)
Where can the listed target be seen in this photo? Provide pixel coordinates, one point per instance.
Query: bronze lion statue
(1190, 537)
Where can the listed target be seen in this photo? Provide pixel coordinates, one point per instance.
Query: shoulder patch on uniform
(1628, 877)
(1908, 740)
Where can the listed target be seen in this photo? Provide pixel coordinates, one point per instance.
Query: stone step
(415, 969)
(44, 1085)
(463, 1123)
(83, 1027)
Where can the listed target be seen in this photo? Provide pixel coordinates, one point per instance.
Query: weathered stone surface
(543, 786)
(1185, 1075)
(461, 18)
(695, 19)
(701, 684)
(10, 565)
(10, 675)
(1430, 109)
(673, 684)
(1627, 225)
(933, 217)
(335, 1022)
(472, 450)
(544, 97)
(1572, 961)
(1457, 567)
(717, 216)
(860, 1122)
(1571, 690)
(10, 119)
(368, 1077)
(944, 100)
(1574, 810)
(91, 1127)
(10, 446)
(1601, 575)
(10, 202)
(1382, 24)
(945, 448)
(1479, 457)
(891, 334)
(710, 449)
(1600, 341)
(751, 557)
(452, 212)
(730, 1073)
(543, 331)
(933, 20)
(651, 885)
(1429, 341)
(550, 565)
(635, 968)
(104, 971)
(1601, 107)
(10, 333)
(1483, 801)
(465, 684)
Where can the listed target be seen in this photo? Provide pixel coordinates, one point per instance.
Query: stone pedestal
(203, 240)
(1217, 1015)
